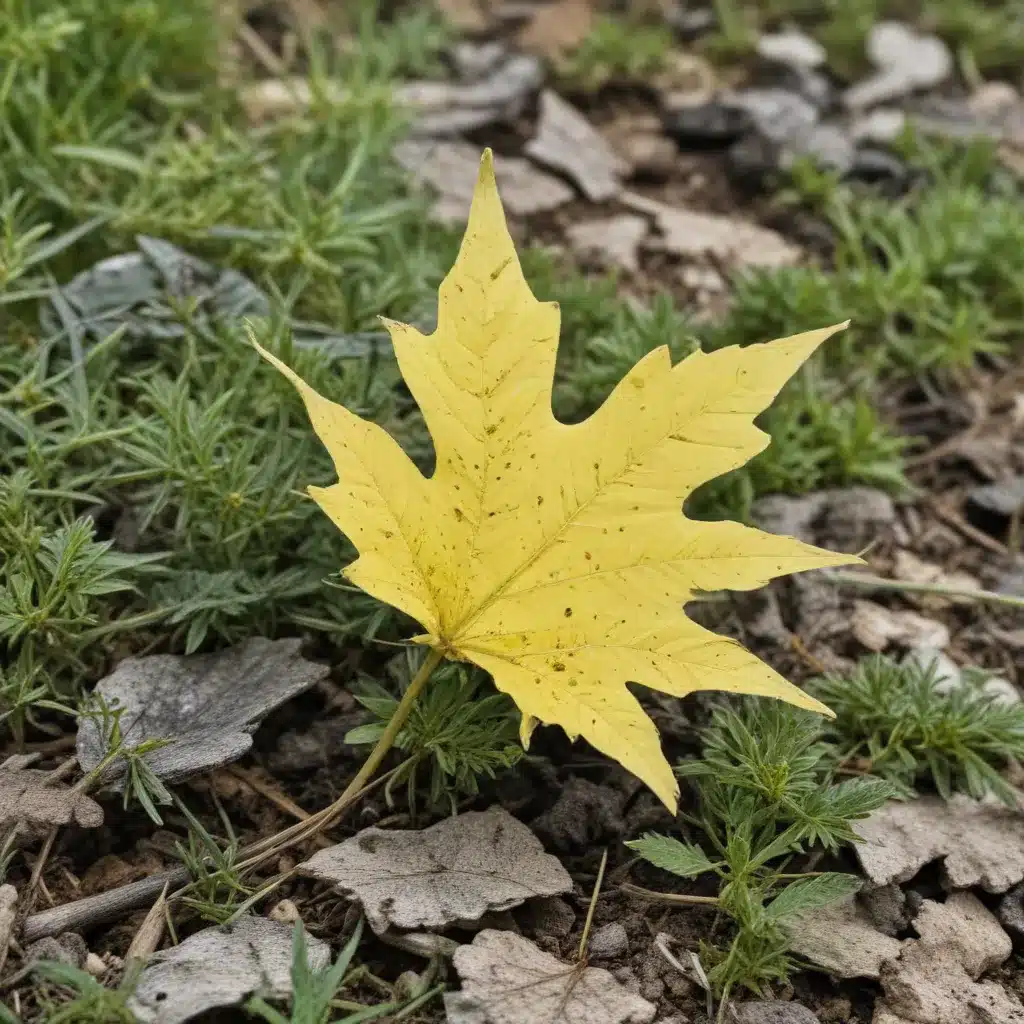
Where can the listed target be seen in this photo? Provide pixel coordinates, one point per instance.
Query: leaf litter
(978, 842)
(220, 967)
(206, 705)
(506, 979)
(28, 798)
(449, 874)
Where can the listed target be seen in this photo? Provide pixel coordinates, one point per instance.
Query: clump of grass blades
(910, 729)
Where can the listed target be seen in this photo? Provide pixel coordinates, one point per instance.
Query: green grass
(620, 50)
(895, 720)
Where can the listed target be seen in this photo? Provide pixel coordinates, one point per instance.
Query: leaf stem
(582, 955)
(394, 726)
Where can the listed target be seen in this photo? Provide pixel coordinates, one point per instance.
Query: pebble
(551, 915)
(792, 47)
(773, 1011)
(906, 62)
(828, 145)
(95, 965)
(1003, 498)
(712, 125)
(779, 115)
(876, 166)
(884, 125)
(608, 941)
(284, 911)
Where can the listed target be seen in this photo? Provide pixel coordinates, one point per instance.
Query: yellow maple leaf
(557, 556)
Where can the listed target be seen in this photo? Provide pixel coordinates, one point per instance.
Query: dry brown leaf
(979, 842)
(506, 979)
(876, 626)
(934, 979)
(450, 167)
(843, 939)
(208, 705)
(728, 240)
(454, 871)
(609, 241)
(25, 797)
(557, 28)
(220, 967)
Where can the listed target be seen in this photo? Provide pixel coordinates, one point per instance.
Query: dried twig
(855, 579)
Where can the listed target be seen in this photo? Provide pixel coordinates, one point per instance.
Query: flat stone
(779, 115)
(773, 1011)
(566, 141)
(843, 939)
(906, 62)
(792, 47)
(712, 125)
(451, 168)
(610, 241)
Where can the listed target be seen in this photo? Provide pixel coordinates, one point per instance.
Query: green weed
(764, 792)
(457, 731)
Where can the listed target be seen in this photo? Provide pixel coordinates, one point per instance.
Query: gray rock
(855, 516)
(773, 1011)
(474, 60)
(778, 115)
(877, 166)
(608, 942)
(828, 145)
(906, 62)
(707, 125)
(792, 47)
(882, 125)
(1003, 498)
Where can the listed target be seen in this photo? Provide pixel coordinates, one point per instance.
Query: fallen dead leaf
(557, 28)
(454, 871)
(843, 939)
(609, 241)
(876, 626)
(566, 141)
(208, 705)
(934, 980)
(979, 842)
(25, 797)
(729, 240)
(506, 979)
(450, 167)
(221, 967)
